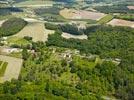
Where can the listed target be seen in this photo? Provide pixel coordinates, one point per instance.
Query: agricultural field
(131, 7)
(105, 19)
(120, 22)
(34, 3)
(68, 36)
(13, 68)
(81, 14)
(36, 30)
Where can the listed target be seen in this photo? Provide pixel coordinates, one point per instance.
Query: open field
(68, 36)
(81, 14)
(34, 3)
(13, 68)
(120, 22)
(131, 7)
(36, 30)
(18, 41)
(105, 19)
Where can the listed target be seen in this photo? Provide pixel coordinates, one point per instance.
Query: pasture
(81, 14)
(68, 36)
(120, 22)
(36, 30)
(11, 68)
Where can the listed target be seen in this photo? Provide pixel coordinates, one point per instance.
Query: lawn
(3, 66)
(105, 19)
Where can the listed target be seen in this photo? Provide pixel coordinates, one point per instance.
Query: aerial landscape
(66, 49)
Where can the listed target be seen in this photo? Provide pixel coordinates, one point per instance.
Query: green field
(3, 66)
(105, 19)
(17, 41)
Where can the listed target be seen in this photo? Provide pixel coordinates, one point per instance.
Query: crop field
(81, 14)
(120, 22)
(105, 19)
(68, 36)
(34, 3)
(11, 68)
(131, 7)
(36, 30)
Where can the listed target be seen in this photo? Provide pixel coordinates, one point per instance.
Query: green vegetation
(129, 17)
(18, 41)
(108, 42)
(71, 29)
(50, 14)
(105, 19)
(114, 9)
(3, 66)
(12, 26)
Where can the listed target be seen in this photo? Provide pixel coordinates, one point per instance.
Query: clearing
(36, 30)
(120, 22)
(81, 14)
(68, 36)
(13, 68)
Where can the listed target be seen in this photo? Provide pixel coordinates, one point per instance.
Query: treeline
(71, 29)
(9, 10)
(114, 9)
(12, 26)
(129, 17)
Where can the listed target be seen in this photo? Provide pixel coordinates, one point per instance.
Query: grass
(84, 63)
(3, 67)
(17, 41)
(69, 78)
(105, 19)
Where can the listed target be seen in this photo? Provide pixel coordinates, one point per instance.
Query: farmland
(36, 30)
(131, 7)
(120, 22)
(13, 67)
(81, 14)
